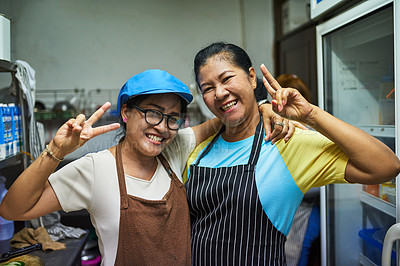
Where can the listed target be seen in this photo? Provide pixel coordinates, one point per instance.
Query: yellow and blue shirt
(284, 171)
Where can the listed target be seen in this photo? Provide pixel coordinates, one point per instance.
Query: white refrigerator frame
(356, 12)
(5, 38)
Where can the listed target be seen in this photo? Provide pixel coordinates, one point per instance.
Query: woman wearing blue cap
(133, 191)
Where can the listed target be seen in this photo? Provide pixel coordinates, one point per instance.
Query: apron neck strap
(169, 170)
(256, 147)
(258, 140)
(209, 146)
(121, 177)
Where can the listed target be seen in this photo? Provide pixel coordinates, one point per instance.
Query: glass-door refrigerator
(358, 71)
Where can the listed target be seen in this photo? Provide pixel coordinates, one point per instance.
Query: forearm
(206, 129)
(371, 161)
(28, 188)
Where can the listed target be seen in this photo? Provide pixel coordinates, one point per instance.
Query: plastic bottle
(7, 129)
(17, 116)
(2, 134)
(6, 227)
(14, 128)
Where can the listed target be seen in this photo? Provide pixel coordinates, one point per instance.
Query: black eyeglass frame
(145, 111)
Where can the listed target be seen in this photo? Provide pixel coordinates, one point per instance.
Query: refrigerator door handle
(392, 235)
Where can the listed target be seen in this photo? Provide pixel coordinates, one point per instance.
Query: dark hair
(260, 91)
(136, 100)
(230, 52)
(293, 81)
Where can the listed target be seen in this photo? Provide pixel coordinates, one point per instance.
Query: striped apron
(229, 225)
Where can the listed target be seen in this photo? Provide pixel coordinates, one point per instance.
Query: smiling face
(228, 91)
(145, 139)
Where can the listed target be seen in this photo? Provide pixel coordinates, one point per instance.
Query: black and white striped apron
(229, 225)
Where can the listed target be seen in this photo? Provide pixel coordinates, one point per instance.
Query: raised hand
(287, 102)
(77, 131)
(280, 127)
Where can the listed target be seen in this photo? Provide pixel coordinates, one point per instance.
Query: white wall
(5, 8)
(100, 44)
(259, 33)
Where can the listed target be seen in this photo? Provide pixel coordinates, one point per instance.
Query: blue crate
(373, 239)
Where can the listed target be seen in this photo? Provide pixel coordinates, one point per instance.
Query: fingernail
(280, 108)
(283, 102)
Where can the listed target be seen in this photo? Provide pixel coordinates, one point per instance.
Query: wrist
(55, 152)
(312, 117)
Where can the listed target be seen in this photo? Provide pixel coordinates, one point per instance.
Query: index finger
(99, 113)
(271, 80)
(104, 129)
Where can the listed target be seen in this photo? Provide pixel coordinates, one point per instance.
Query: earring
(124, 119)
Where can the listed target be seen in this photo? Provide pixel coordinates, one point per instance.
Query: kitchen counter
(69, 256)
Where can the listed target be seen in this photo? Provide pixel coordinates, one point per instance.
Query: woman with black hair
(243, 191)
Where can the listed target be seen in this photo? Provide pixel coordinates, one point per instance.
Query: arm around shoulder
(206, 129)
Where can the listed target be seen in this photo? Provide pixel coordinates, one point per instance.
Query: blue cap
(152, 81)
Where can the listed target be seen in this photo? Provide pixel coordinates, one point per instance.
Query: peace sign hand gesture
(287, 102)
(77, 131)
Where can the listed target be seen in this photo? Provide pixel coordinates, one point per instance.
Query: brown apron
(153, 232)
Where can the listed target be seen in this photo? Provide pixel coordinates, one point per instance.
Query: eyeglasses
(154, 117)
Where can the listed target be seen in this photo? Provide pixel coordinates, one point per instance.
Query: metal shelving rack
(20, 158)
(377, 203)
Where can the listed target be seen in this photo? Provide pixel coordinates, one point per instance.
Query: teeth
(154, 138)
(229, 106)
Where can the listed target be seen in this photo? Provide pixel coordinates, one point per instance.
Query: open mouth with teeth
(154, 138)
(229, 106)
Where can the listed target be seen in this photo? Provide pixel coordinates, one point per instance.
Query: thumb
(267, 129)
(299, 125)
(76, 131)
